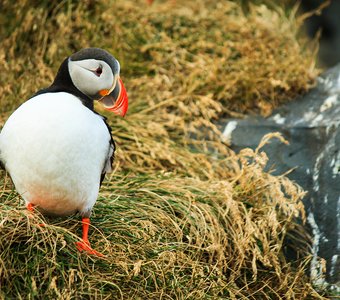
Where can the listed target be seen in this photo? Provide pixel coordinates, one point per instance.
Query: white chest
(55, 149)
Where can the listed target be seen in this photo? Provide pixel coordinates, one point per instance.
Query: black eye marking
(98, 71)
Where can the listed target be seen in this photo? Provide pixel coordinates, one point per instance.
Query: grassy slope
(174, 221)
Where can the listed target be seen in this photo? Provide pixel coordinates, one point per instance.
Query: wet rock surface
(311, 125)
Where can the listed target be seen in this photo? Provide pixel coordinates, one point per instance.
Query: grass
(182, 216)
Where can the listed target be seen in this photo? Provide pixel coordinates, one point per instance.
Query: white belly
(55, 148)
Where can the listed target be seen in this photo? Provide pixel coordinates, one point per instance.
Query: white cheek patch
(83, 76)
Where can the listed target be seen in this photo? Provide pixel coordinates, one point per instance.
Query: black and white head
(94, 73)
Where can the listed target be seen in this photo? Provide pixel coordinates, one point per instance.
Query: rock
(311, 125)
(327, 23)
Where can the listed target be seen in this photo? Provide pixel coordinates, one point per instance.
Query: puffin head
(95, 73)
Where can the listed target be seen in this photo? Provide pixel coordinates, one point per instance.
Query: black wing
(110, 155)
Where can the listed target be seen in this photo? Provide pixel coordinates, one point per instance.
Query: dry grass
(182, 216)
(164, 237)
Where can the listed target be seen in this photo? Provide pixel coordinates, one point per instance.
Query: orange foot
(85, 246)
(30, 208)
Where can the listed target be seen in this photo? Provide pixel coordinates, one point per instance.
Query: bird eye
(99, 71)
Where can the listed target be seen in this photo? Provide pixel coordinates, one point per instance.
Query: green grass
(175, 220)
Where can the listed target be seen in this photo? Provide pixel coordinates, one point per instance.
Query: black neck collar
(63, 83)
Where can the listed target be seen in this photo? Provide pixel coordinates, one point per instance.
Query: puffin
(56, 147)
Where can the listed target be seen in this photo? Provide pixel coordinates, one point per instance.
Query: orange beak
(117, 100)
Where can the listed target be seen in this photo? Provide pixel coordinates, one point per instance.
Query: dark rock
(312, 127)
(328, 24)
